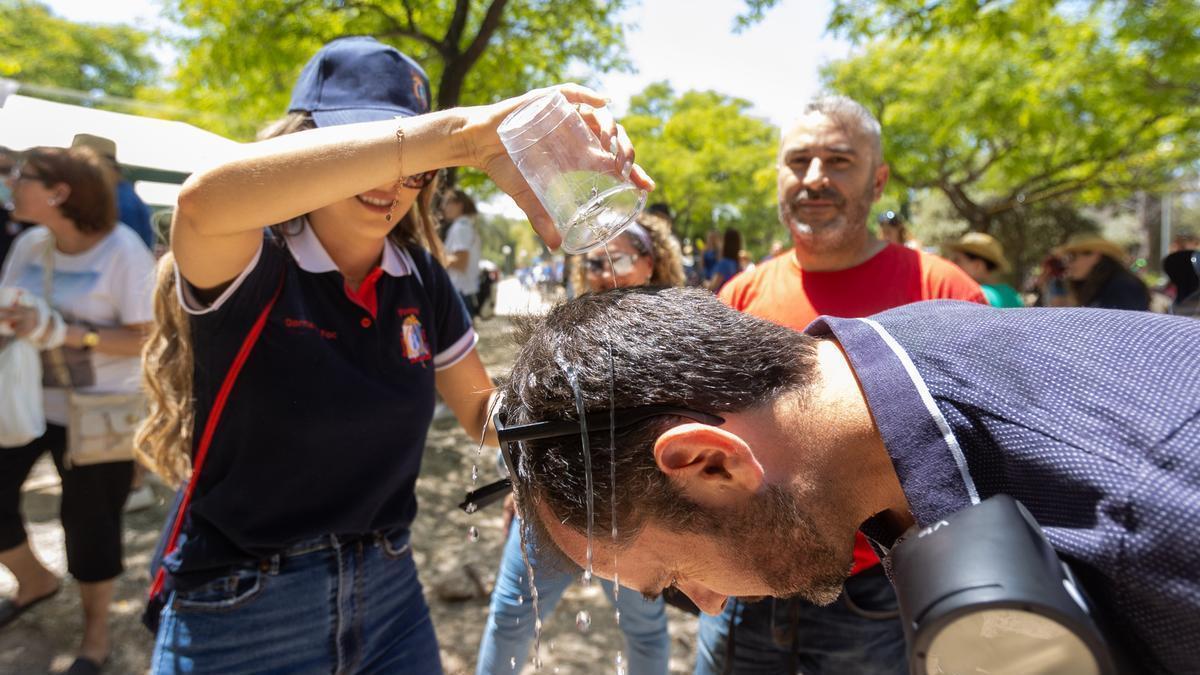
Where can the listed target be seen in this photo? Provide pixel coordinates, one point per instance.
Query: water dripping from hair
(523, 532)
(472, 508)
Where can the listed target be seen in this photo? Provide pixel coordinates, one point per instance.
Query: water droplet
(620, 658)
(587, 578)
(537, 624)
(617, 616)
(471, 507)
(472, 533)
(474, 473)
(620, 670)
(583, 621)
(520, 599)
(512, 662)
(552, 645)
(537, 663)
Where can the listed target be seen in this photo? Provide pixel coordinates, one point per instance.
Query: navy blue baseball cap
(360, 79)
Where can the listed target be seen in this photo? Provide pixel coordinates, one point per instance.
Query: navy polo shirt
(324, 430)
(1089, 417)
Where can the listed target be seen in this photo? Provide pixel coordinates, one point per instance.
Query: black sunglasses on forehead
(512, 436)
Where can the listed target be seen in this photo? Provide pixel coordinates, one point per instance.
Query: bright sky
(690, 43)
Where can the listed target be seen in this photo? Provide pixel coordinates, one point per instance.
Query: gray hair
(847, 111)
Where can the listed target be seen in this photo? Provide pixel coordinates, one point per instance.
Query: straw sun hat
(1092, 243)
(982, 246)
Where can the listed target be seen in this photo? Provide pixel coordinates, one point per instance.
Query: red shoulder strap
(210, 427)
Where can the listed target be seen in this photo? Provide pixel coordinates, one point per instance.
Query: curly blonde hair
(164, 442)
(668, 260)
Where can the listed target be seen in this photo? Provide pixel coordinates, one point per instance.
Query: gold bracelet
(400, 176)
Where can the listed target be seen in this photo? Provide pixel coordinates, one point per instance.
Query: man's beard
(838, 231)
(789, 551)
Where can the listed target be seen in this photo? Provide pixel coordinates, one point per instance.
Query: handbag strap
(210, 427)
(55, 356)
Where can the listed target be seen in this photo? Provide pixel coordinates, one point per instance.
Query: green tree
(241, 56)
(714, 163)
(37, 47)
(999, 125)
(1019, 111)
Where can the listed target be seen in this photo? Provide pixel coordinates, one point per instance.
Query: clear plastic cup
(575, 179)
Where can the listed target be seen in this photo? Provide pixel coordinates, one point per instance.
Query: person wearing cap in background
(982, 257)
(131, 210)
(1098, 274)
(294, 553)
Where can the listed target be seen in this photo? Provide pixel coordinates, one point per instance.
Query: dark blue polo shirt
(1091, 418)
(324, 430)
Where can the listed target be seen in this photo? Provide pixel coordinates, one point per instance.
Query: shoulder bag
(100, 426)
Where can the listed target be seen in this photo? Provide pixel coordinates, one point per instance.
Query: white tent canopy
(143, 142)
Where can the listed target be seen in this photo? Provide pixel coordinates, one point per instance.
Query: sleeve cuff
(192, 305)
(457, 351)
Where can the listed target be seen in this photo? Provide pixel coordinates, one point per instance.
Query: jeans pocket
(395, 546)
(227, 593)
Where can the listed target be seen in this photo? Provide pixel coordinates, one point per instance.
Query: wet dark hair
(672, 346)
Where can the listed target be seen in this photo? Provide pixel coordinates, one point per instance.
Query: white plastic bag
(21, 416)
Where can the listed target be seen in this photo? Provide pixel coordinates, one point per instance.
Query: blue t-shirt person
(1064, 410)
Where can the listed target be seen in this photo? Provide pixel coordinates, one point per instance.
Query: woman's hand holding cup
(608, 150)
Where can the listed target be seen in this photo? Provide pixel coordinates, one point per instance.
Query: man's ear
(882, 173)
(712, 465)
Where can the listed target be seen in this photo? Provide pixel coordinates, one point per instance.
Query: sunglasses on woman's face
(19, 173)
(418, 181)
(622, 264)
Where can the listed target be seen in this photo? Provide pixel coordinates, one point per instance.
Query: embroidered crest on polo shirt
(416, 346)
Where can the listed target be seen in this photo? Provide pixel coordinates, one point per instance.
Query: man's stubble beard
(836, 234)
(788, 550)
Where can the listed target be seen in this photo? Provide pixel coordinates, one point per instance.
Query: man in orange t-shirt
(831, 170)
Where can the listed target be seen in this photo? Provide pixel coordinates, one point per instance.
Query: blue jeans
(329, 605)
(509, 630)
(859, 633)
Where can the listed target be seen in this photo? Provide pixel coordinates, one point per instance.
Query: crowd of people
(329, 243)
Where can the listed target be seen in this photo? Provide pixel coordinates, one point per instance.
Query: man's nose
(708, 601)
(814, 175)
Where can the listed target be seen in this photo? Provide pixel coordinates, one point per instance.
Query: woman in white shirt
(101, 290)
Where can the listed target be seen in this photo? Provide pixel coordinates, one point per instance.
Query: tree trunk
(1150, 217)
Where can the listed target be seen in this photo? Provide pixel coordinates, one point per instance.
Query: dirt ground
(43, 640)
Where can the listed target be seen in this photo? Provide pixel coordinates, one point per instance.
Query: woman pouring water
(320, 323)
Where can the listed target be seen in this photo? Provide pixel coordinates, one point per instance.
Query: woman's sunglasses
(622, 264)
(511, 438)
(418, 181)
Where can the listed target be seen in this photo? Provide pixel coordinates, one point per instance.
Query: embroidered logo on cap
(416, 347)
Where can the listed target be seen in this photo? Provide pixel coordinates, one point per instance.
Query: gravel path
(44, 640)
